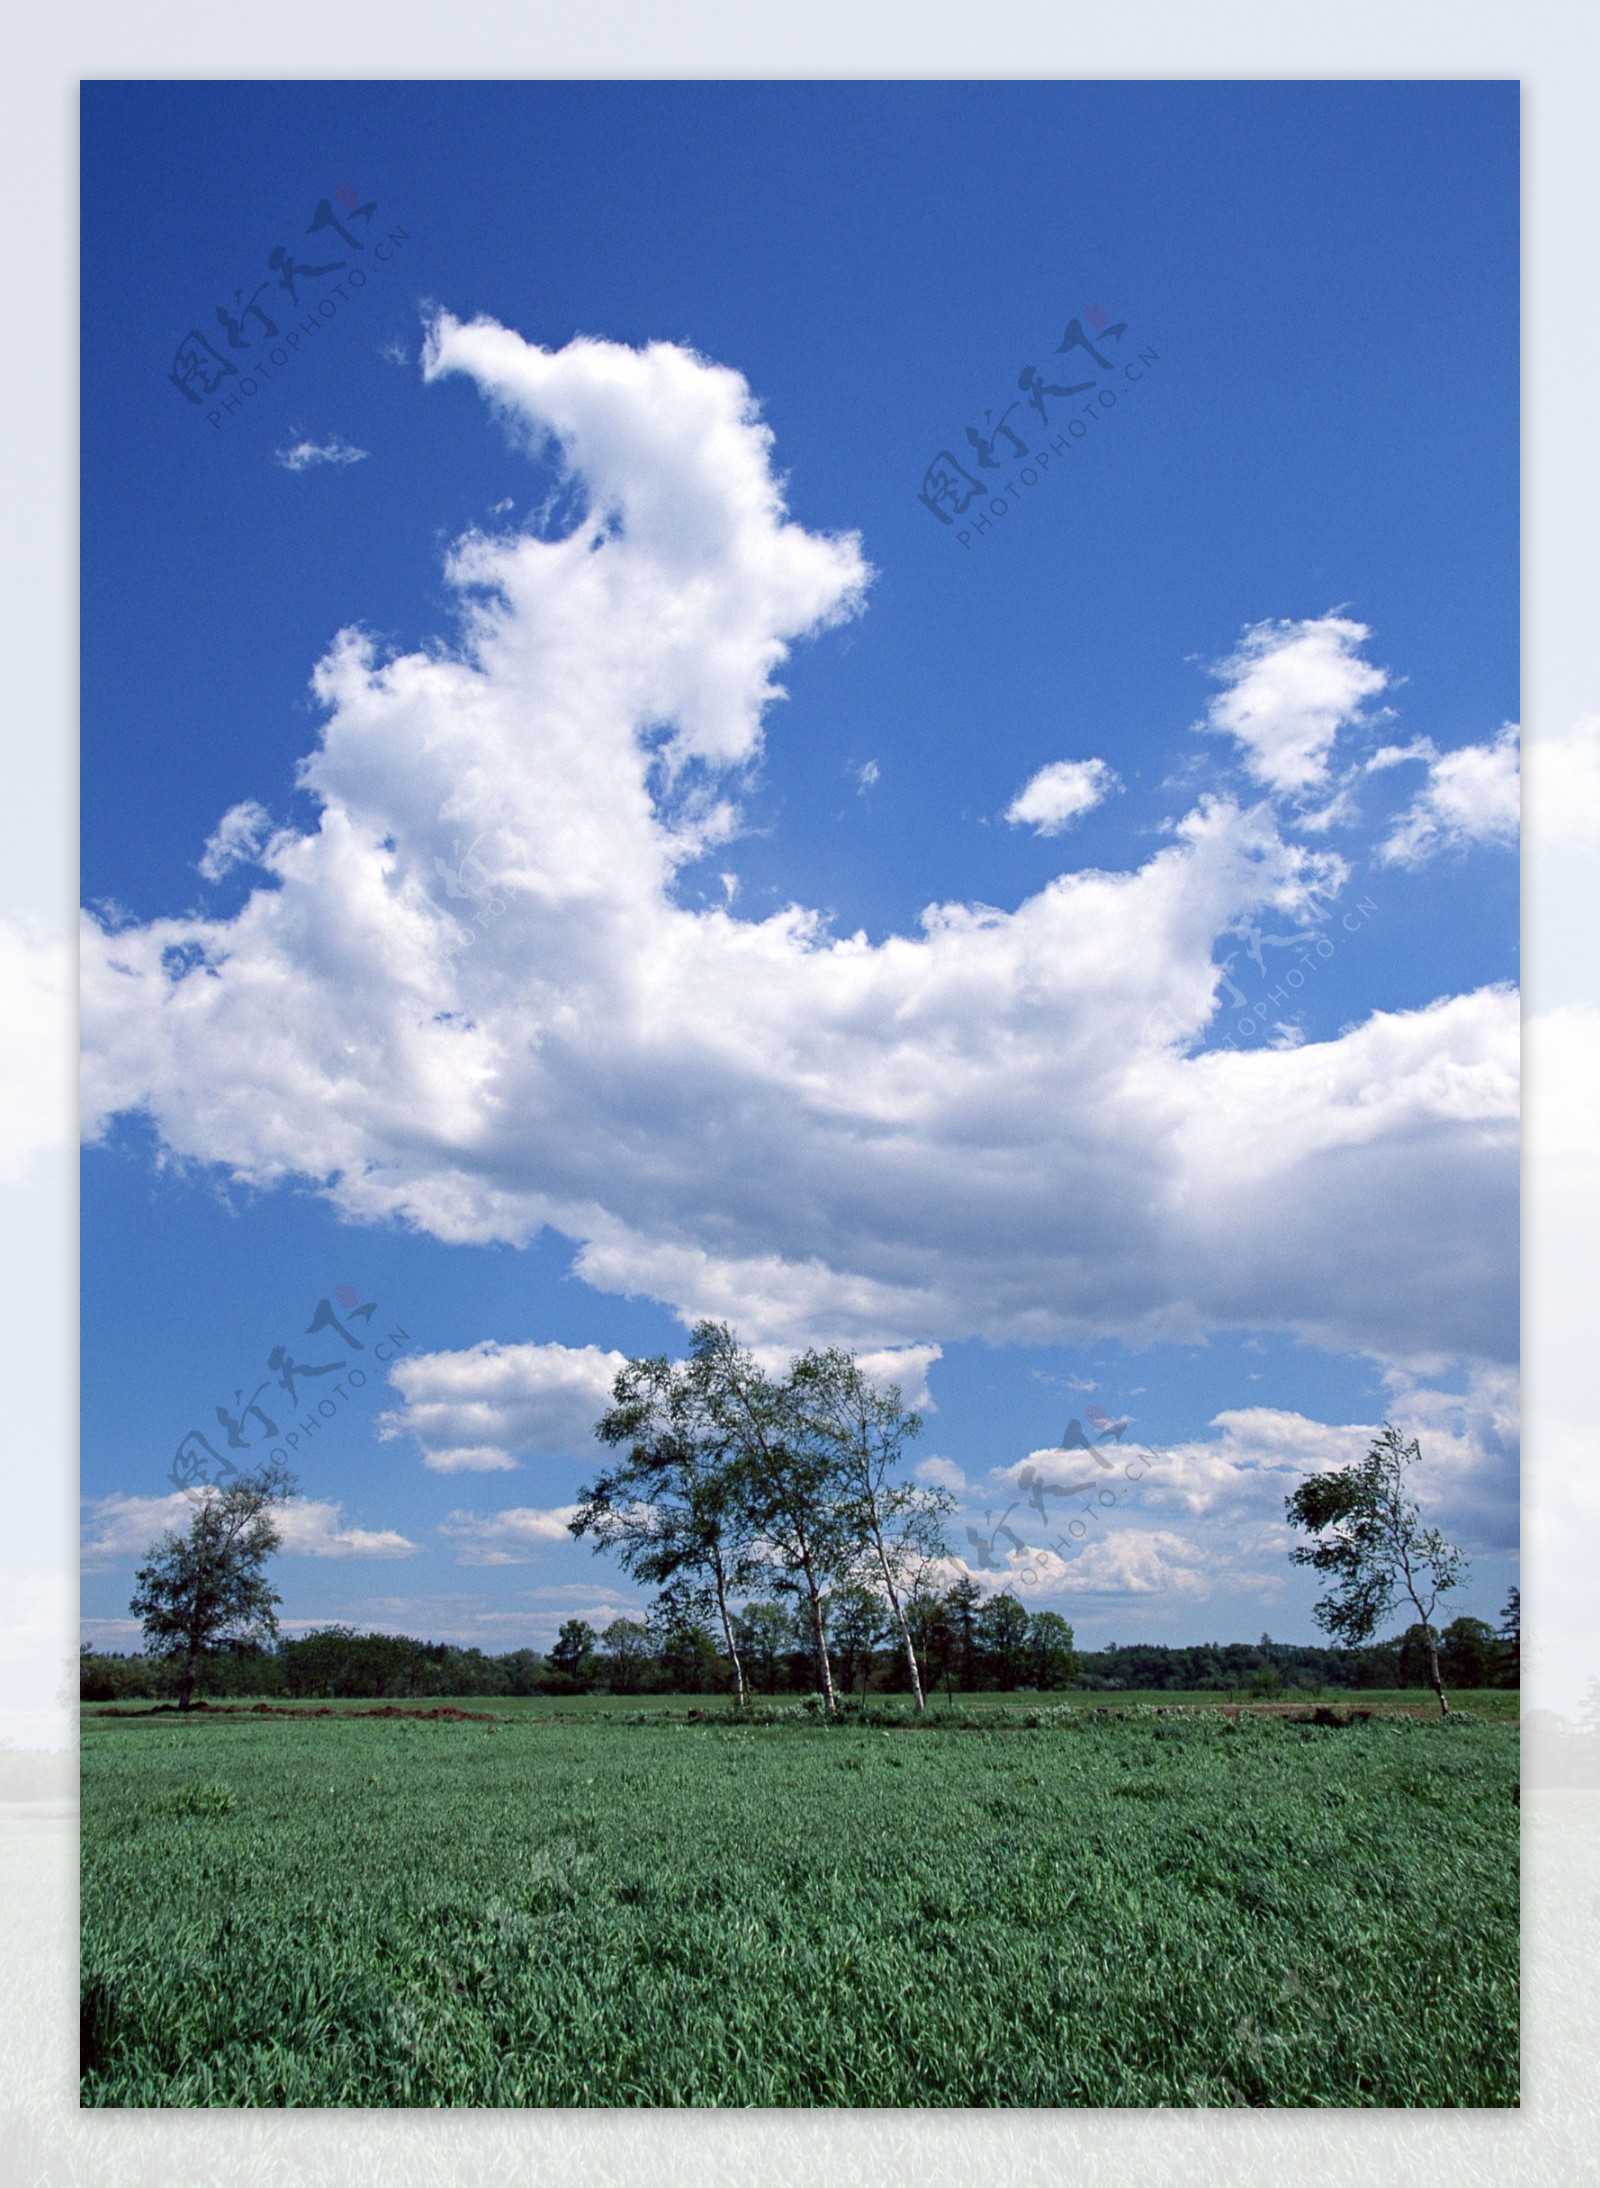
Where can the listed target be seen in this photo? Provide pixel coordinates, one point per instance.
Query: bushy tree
(573, 1656)
(629, 1655)
(1469, 1653)
(764, 1632)
(203, 1588)
(1052, 1659)
(857, 1621)
(1368, 1535)
(1001, 1632)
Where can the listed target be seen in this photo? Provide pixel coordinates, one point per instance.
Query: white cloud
(1291, 688)
(1472, 796)
(1236, 1481)
(119, 1530)
(507, 1538)
(237, 839)
(903, 1368)
(473, 1411)
(989, 1128)
(866, 775)
(1059, 794)
(937, 1473)
(36, 1089)
(1563, 788)
(301, 455)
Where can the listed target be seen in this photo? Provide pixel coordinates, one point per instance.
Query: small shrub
(210, 1797)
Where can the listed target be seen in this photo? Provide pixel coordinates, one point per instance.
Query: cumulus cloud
(474, 1411)
(936, 1473)
(1472, 796)
(119, 1530)
(1227, 1491)
(1290, 688)
(302, 455)
(236, 840)
(1059, 794)
(991, 1127)
(511, 1537)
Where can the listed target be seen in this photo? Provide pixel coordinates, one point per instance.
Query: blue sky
(1008, 1147)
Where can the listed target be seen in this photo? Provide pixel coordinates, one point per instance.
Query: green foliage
(206, 1588)
(210, 1797)
(574, 1654)
(1125, 1908)
(1368, 1536)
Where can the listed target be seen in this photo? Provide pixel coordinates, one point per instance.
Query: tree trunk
(829, 1700)
(1433, 1668)
(186, 1682)
(733, 1653)
(912, 1666)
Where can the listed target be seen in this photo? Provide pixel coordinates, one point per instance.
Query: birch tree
(673, 1510)
(896, 1527)
(790, 1483)
(1368, 1533)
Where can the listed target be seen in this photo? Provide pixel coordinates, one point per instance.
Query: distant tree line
(970, 1645)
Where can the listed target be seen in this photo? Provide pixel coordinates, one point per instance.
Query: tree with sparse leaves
(206, 1588)
(1368, 1535)
(897, 1527)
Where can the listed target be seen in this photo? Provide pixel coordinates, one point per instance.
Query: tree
(675, 1508)
(961, 1608)
(629, 1652)
(1511, 1640)
(932, 1635)
(896, 1527)
(856, 1624)
(1001, 1631)
(1469, 1653)
(1367, 1533)
(1052, 1659)
(684, 1648)
(573, 1655)
(200, 1590)
(788, 1484)
(763, 1633)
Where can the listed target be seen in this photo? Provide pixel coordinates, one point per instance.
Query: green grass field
(598, 1903)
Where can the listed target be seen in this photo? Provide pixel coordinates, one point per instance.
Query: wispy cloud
(237, 840)
(506, 1538)
(302, 455)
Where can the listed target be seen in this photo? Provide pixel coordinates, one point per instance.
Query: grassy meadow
(1028, 1901)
